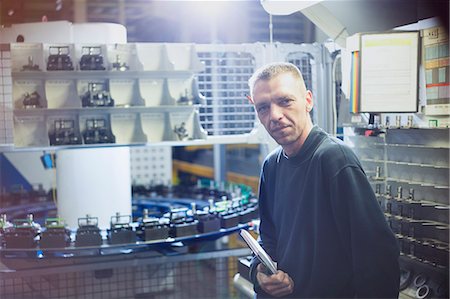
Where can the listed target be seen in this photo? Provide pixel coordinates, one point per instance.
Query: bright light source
(211, 8)
(286, 7)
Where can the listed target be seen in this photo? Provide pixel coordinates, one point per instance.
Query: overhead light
(286, 7)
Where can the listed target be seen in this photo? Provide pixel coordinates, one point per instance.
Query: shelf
(409, 182)
(371, 160)
(410, 146)
(109, 110)
(80, 75)
(154, 97)
(416, 164)
(210, 140)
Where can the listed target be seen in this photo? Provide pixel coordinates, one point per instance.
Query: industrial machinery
(97, 131)
(410, 167)
(417, 216)
(4, 225)
(31, 100)
(88, 232)
(55, 234)
(118, 65)
(22, 234)
(121, 231)
(190, 213)
(91, 59)
(59, 59)
(181, 132)
(182, 223)
(229, 215)
(64, 133)
(30, 66)
(153, 228)
(208, 220)
(97, 96)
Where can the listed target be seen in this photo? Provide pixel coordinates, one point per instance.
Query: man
(320, 220)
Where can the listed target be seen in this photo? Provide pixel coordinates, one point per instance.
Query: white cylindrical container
(94, 181)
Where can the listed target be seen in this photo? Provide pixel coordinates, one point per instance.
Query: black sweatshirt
(321, 223)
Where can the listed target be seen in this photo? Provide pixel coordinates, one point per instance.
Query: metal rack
(409, 171)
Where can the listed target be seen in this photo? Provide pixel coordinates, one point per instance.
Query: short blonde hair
(272, 70)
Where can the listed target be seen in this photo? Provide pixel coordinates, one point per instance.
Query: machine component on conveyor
(64, 133)
(4, 225)
(121, 231)
(91, 59)
(55, 235)
(181, 223)
(30, 66)
(88, 232)
(59, 59)
(22, 234)
(31, 100)
(97, 96)
(249, 211)
(152, 228)
(208, 221)
(229, 216)
(167, 214)
(98, 131)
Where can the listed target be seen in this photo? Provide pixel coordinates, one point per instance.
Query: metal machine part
(181, 223)
(248, 213)
(229, 219)
(190, 99)
(184, 99)
(181, 132)
(121, 231)
(22, 234)
(64, 133)
(4, 225)
(31, 100)
(152, 228)
(207, 221)
(30, 66)
(98, 131)
(55, 235)
(88, 232)
(119, 66)
(97, 96)
(91, 59)
(230, 211)
(405, 278)
(59, 59)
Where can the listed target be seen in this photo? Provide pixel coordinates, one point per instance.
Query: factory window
(227, 110)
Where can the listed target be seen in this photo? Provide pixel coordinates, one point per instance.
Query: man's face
(283, 108)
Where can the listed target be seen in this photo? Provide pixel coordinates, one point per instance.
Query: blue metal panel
(10, 177)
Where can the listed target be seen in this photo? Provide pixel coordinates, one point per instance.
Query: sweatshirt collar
(308, 148)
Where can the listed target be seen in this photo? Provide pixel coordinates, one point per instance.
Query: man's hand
(279, 284)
